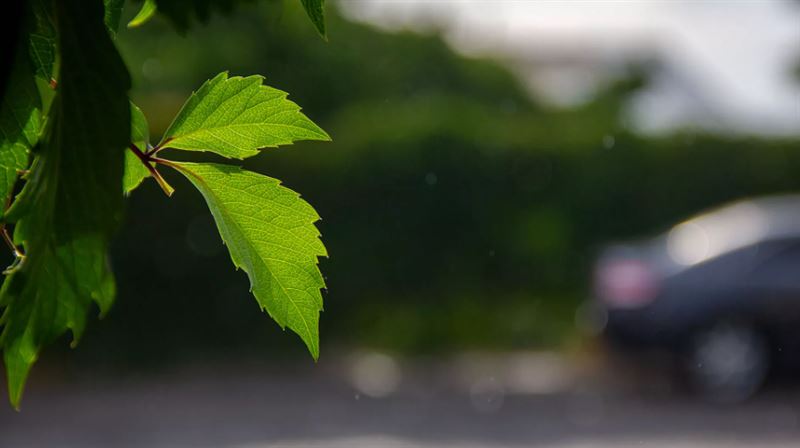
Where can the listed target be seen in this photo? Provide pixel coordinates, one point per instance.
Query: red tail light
(625, 283)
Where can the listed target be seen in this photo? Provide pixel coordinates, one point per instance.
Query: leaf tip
(17, 375)
(77, 332)
(313, 350)
(315, 9)
(146, 13)
(312, 344)
(15, 389)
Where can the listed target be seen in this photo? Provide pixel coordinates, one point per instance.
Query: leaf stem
(10, 242)
(19, 256)
(165, 162)
(146, 159)
(153, 151)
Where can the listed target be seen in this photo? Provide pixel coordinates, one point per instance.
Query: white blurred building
(726, 66)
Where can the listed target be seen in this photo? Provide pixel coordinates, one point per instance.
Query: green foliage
(20, 123)
(182, 12)
(270, 234)
(42, 40)
(427, 143)
(113, 14)
(316, 12)
(147, 12)
(66, 213)
(235, 117)
(268, 229)
(135, 170)
(67, 109)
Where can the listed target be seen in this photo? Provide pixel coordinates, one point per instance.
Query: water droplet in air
(609, 141)
(431, 179)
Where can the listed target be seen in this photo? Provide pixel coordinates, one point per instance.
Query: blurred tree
(459, 212)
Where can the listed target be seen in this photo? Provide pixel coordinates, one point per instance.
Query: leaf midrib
(199, 131)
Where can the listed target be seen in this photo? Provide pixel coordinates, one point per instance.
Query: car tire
(728, 362)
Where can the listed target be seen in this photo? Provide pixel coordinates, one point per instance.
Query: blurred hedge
(458, 212)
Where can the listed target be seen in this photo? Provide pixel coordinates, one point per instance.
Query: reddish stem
(153, 151)
(146, 159)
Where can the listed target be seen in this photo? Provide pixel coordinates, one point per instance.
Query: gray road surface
(374, 402)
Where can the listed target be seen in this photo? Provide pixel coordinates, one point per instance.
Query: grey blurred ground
(370, 400)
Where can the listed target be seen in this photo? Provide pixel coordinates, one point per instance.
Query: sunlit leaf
(235, 117)
(270, 233)
(147, 12)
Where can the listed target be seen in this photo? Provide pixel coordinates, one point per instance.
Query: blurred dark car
(720, 293)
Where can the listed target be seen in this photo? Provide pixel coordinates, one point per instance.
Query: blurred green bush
(458, 212)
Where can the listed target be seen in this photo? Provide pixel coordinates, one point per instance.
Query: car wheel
(728, 362)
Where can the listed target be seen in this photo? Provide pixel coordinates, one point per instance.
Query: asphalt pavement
(372, 400)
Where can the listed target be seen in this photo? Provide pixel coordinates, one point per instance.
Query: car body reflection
(719, 293)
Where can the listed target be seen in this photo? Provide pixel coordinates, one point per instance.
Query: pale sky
(734, 55)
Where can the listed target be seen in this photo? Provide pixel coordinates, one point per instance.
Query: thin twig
(154, 150)
(165, 162)
(10, 242)
(146, 159)
(18, 254)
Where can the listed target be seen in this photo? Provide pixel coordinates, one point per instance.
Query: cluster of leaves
(69, 131)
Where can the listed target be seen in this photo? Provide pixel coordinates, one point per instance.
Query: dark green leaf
(69, 208)
(20, 124)
(43, 39)
(113, 14)
(316, 12)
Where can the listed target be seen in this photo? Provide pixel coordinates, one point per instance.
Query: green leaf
(135, 171)
(42, 47)
(113, 14)
(140, 130)
(50, 294)
(43, 52)
(20, 123)
(235, 117)
(147, 12)
(270, 233)
(316, 12)
(69, 208)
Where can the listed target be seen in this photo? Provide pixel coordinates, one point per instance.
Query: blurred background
(502, 179)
